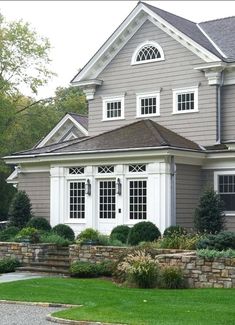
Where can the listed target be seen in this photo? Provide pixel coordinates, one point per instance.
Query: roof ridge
(217, 19)
(152, 125)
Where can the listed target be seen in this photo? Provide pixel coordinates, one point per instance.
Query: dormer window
(147, 52)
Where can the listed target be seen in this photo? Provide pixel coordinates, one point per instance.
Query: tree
(20, 210)
(209, 216)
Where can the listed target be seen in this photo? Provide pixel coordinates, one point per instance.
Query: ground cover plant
(105, 301)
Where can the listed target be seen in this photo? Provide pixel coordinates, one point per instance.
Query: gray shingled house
(161, 126)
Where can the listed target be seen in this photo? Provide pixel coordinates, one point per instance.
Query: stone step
(42, 270)
(53, 258)
(50, 263)
(58, 253)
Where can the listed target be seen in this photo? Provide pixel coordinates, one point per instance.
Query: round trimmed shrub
(120, 233)
(143, 231)
(174, 230)
(64, 231)
(39, 223)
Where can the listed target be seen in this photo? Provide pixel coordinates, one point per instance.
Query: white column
(120, 198)
(165, 198)
(57, 195)
(90, 199)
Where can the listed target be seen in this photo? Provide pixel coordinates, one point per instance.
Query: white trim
(118, 36)
(111, 99)
(140, 96)
(212, 42)
(216, 185)
(179, 91)
(70, 136)
(13, 178)
(67, 218)
(140, 46)
(58, 126)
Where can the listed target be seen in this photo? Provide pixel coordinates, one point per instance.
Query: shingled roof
(138, 135)
(82, 119)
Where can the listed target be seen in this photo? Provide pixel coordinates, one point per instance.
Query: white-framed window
(107, 199)
(225, 187)
(185, 100)
(148, 104)
(77, 199)
(146, 52)
(76, 170)
(140, 168)
(105, 169)
(113, 108)
(137, 199)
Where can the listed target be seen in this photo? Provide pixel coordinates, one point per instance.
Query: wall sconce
(88, 187)
(118, 187)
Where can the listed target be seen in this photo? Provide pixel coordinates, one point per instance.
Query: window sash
(226, 190)
(107, 199)
(77, 199)
(148, 104)
(137, 193)
(185, 100)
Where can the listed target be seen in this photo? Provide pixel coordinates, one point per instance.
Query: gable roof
(188, 33)
(221, 32)
(79, 121)
(187, 27)
(144, 134)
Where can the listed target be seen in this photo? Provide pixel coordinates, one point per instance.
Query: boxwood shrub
(82, 269)
(174, 230)
(64, 231)
(120, 233)
(39, 223)
(143, 231)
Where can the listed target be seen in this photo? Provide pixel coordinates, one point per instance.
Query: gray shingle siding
(188, 190)
(228, 113)
(37, 186)
(175, 72)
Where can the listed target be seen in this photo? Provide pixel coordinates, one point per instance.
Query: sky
(76, 29)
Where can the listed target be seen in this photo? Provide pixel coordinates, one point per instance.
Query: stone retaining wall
(199, 272)
(202, 272)
(25, 252)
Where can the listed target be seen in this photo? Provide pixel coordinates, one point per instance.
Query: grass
(107, 302)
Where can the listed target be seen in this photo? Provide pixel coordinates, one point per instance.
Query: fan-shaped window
(147, 52)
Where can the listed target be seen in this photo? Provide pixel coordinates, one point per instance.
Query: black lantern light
(88, 187)
(118, 187)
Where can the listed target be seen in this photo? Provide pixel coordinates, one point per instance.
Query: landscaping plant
(39, 223)
(20, 210)
(28, 234)
(82, 269)
(209, 216)
(120, 233)
(174, 230)
(176, 241)
(222, 241)
(171, 277)
(88, 236)
(8, 234)
(53, 238)
(143, 231)
(212, 253)
(8, 264)
(140, 269)
(64, 231)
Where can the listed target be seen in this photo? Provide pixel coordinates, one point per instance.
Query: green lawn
(107, 302)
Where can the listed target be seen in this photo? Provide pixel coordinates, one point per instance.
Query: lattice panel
(105, 169)
(76, 170)
(137, 168)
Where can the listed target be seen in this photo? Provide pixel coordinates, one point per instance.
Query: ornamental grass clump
(171, 277)
(140, 269)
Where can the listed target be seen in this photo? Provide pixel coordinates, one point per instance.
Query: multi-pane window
(107, 169)
(107, 199)
(113, 108)
(138, 199)
(77, 200)
(137, 168)
(149, 51)
(76, 170)
(185, 100)
(226, 191)
(148, 104)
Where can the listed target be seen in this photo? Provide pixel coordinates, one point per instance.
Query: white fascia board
(13, 178)
(94, 82)
(107, 44)
(58, 126)
(212, 42)
(159, 22)
(98, 154)
(182, 38)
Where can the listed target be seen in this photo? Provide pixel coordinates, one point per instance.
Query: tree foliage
(209, 216)
(20, 210)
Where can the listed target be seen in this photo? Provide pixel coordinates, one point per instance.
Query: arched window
(148, 51)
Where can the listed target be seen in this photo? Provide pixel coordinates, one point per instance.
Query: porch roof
(140, 134)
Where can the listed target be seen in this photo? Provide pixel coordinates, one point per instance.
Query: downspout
(219, 91)
(173, 190)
